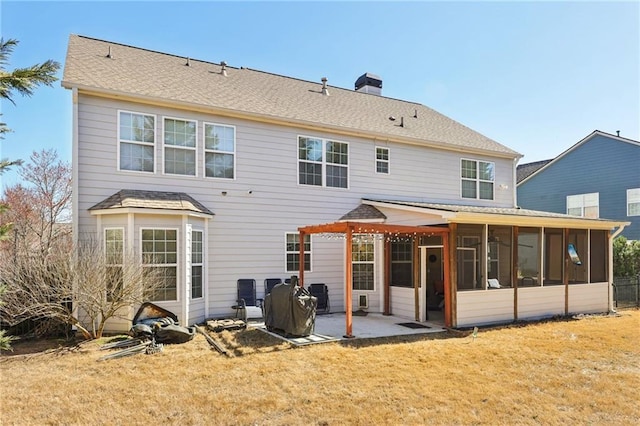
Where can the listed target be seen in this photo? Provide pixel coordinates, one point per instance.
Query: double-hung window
(584, 205)
(179, 146)
(382, 160)
(477, 179)
(136, 136)
(323, 162)
(633, 202)
(362, 250)
(160, 256)
(196, 264)
(292, 248)
(114, 261)
(219, 151)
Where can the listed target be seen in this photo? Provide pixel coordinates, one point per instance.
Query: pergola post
(416, 277)
(349, 282)
(301, 260)
(387, 277)
(514, 271)
(447, 280)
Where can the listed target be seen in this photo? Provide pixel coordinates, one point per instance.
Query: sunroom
(479, 265)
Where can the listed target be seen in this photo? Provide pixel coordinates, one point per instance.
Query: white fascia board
(138, 210)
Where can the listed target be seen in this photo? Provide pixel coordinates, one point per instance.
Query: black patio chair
(321, 292)
(270, 283)
(247, 305)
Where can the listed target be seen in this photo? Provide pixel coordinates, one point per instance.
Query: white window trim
(286, 252)
(104, 248)
(186, 148)
(201, 264)
(375, 248)
(582, 205)
(387, 161)
(323, 162)
(477, 180)
(120, 140)
(633, 197)
(104, 242)
(177, 264)
(205, 151)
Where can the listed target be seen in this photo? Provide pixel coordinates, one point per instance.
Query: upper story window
(136, 136)
(633, 202)
(382, 160)
(179, 146)
(323, 162)
(477, 179)
(219, 150)
(585, 205)
(292, 248)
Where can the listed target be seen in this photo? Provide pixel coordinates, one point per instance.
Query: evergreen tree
(23, 81)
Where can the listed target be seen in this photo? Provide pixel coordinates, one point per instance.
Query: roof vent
(188, 62)
(369, 83)
(325, 91)
(109, 53)
(223, 69)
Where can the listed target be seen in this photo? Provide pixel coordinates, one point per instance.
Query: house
(597, 177)
(213, 173)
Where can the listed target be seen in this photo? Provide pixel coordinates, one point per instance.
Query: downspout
(74, 182)
(74, 166)
(515, 182)
(610, 256)
(186, 274)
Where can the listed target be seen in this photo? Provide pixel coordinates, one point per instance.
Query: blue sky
(535, 76)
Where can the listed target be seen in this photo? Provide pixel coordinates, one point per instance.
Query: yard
(571, 371)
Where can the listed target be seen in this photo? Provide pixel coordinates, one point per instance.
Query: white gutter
(618, 231)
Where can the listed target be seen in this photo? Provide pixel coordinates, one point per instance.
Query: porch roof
(128, 199)
(454, 213)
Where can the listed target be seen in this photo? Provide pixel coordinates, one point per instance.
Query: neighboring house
(598, 177)
(220, 173)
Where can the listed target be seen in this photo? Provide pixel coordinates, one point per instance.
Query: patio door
(432, 281)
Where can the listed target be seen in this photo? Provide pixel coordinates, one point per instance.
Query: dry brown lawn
(584, 371)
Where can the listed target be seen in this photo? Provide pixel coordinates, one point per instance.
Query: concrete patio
(331, 327)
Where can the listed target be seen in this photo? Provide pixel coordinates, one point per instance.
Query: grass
(584, 371)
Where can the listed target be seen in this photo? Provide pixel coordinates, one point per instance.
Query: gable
(600, 150)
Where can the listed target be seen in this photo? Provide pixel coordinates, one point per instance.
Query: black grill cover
(290, 309)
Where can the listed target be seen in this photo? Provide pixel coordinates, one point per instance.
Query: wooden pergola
(389, 231)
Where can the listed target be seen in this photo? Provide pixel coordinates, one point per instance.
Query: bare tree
(82, 288)
(39, 208)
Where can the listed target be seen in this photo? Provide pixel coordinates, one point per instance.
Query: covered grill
(290, 309)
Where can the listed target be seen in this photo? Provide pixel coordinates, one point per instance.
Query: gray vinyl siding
(601, 164)
(246, 237)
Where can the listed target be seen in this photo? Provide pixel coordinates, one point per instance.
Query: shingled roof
(114, 69)
(364, 212)
(523, 171)
(129, 198)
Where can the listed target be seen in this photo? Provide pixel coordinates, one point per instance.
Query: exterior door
(432, 281)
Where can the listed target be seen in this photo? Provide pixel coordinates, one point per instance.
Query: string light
(362, 235)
